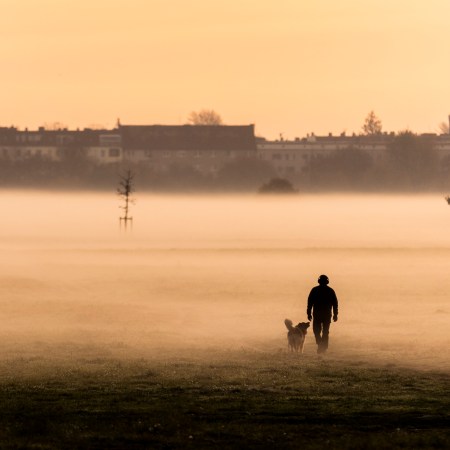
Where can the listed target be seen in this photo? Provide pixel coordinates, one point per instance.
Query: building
(205, 148)
(101, 146)
(291, 158)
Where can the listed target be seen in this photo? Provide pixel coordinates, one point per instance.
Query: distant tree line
(76, 171)
(411, 164)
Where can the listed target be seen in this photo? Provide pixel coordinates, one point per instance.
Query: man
(321, 301)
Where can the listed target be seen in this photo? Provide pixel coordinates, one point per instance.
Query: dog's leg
(301, 346)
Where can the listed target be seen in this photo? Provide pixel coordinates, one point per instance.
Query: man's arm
(335, 307)
(310, 304)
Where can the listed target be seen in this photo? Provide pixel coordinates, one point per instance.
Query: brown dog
(296, 335)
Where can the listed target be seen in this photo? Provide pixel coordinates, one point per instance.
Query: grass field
(220, 399)
(173, 336)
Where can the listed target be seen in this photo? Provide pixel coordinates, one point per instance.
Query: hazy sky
(289, 66)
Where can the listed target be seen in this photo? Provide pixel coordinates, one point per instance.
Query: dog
(296, 335)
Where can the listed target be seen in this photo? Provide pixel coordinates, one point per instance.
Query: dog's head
(303, 326)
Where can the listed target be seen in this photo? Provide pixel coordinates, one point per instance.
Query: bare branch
(204, 117)
(125, 189)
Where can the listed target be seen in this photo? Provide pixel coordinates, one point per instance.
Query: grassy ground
(227, 399)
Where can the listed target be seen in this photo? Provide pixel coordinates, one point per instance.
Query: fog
(222, 273)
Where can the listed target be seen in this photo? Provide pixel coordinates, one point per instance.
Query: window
(276, 156)
(114, 152)
(110, 139)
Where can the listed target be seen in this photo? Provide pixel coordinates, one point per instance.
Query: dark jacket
(321, 300)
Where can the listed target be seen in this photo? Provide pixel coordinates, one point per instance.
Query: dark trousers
(321, 328)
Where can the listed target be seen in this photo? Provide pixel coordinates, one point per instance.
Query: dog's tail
(288, 324)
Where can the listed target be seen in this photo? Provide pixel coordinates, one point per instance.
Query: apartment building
(205, 148)
(101, 146)
(290, 158)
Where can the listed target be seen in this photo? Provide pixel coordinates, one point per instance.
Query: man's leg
(326, 330)
(317, 328)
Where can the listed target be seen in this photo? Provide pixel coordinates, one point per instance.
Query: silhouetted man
(322, 301)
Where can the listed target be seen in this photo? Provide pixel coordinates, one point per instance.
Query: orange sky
(288, 66)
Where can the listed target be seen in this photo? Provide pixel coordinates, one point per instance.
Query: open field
(220, 399)
(173, 335)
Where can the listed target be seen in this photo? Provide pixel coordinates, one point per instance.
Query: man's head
(323, 280)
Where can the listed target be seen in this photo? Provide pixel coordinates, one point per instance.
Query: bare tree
(96, 126)
(205, 117)
(444, 128)
(372, 125)
(54, 126)
(125, 189)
